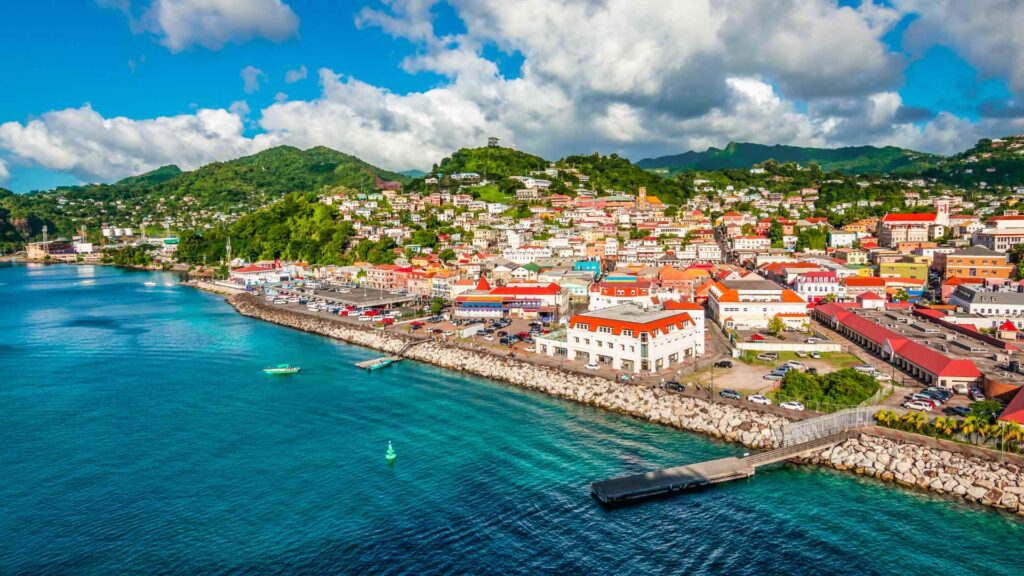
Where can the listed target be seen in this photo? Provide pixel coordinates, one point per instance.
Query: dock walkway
(797, 439)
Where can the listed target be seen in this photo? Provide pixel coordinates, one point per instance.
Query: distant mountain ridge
(852, 159)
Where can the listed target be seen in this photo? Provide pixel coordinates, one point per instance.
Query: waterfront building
(628, 337)
(922, 362)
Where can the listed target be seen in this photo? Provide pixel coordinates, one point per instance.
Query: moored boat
(282, 369)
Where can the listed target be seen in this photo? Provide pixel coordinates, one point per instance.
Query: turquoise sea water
(138, 435)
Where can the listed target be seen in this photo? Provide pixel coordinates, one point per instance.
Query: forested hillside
(850, 160)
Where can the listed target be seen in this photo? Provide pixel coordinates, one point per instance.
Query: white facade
(629, 338)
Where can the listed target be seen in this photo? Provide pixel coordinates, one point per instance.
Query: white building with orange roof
(1001, 233)
(628, 338)
(751, 303)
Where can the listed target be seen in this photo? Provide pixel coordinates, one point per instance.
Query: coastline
(888, 455)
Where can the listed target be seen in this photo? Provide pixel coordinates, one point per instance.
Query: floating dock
(670, 480)
(681, 478)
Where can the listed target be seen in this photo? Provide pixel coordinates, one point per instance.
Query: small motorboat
(150, 284)
(282, 369)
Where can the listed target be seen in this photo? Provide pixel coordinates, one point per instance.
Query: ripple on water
(170, 450)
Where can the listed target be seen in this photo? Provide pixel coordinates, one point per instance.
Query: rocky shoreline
(973, 478)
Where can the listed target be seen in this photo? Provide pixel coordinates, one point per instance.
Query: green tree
(437, 305)
(776, 325)
(775, 232)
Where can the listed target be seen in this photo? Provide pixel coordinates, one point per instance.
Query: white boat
(149, 284)
(87, 282)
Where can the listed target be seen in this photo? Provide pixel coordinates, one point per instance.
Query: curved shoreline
(884, 454)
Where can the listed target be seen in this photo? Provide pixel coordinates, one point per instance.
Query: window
(627, 332)
(604, 329)
(581, 326)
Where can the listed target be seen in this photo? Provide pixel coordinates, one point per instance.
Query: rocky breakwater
(975, 479)
(732, 423)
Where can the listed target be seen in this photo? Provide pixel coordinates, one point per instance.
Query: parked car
(723, 364)
(488, 338)
(593, 366)
(976, 394)
(865, 368)
(812, 340)
(673, 385)
(801, 354)
(925, 399)
(531, 349)
(959, 411)
(812, 370)
(918, 406)
(882, 377)
(795, 364)
(773, 376)
(945, 393)
(815, 355)
(930, 395)
(729, 393)
(792, 405)
(767, 356)
(760, 399)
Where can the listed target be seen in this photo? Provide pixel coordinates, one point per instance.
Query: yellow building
(916, 270)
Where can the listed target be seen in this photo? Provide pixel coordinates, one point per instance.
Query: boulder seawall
(732, 423)
(975, 478)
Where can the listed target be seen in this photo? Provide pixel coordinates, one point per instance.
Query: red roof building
(920, 361)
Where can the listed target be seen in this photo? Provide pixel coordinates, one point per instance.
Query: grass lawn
(835, 359)
(490, 193)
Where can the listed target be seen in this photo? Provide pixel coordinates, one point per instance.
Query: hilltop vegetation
(491, 162)
(992, 162)
(850, 160)
(208, 194)
(615, 173)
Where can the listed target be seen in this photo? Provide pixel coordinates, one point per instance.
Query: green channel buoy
(390, 455)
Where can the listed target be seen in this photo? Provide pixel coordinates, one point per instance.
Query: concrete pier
(681, 478)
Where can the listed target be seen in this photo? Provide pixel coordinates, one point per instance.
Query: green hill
(996, 162)
(853, 160)
(613, 172)
(491, 162)
(161, 174)
(233, 187)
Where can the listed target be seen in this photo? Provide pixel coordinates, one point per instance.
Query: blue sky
(408, 81)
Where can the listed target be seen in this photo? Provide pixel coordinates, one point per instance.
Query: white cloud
(5, 174)
(180, 24)
(986, 34)
(251, 77)
(82, 142)
(280, 97)
(638, 78)
(239, 108)
(293, 76)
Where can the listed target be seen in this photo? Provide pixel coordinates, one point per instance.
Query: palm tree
(971, 425)
(1014, 433)
(946, 426)
(885, 417)
(915, 421)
